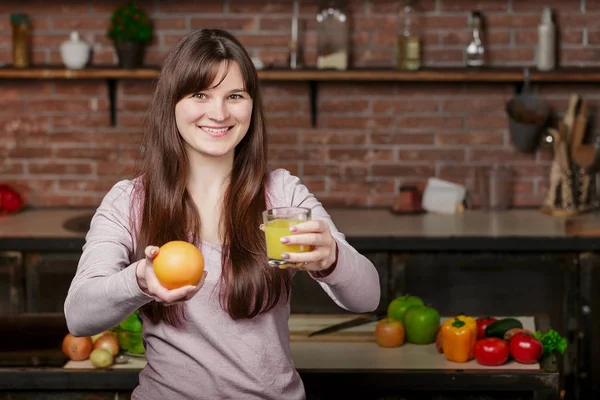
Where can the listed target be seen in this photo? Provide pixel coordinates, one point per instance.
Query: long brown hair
(248, 285)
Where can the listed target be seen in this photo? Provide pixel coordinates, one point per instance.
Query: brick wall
(58, 146)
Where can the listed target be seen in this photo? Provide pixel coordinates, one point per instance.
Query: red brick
(344, 155)
(235, 24)
(60, 168)
(122, 168)
(71, 200)
(169, 23)
(315, 185)
(488, 122)
(336, 138)
(403, 106)
(425, 123)
(28, 152)
(134, 104)
(537, 5)
(443, 56)
(512, 20)
(80, 88)
(392, 6)
(471, 138)
(264, 40)
(189, 6)
(575, 56)
(374, 57)
(261, 7)
(84, 186)
(273, 105)
(283, 139)
(404, 170)
(344, 105)
(473, 104)
(370, 23)
(8, 167)
(58, 105)
(503, 55)
(137, 87)
(96, 119)
(468, 5)
(444, 22)
(80, 23)
(58, 8)
(431, 154)
(343, 200)
(364, 187)
(402, 138)
(366, 122)
(592, 5)
(463, 37)
(499, 155)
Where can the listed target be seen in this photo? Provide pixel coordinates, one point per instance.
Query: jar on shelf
(332, 35)
(21, 40)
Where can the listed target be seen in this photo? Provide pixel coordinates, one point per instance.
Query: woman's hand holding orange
(150, 284)
(314, 233)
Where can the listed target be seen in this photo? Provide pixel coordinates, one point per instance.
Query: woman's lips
(216, 131)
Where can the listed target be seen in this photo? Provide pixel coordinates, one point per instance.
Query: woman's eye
(199, 95)
(236, 96)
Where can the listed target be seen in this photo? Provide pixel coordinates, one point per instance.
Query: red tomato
(482, 323)
(525, 348)
(389, 333)
(491, 351)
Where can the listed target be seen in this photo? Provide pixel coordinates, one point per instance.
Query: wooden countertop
(373, 229)
(352, 222)
(358, 353)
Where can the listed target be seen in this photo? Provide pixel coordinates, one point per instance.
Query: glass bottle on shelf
(332, 35)
(409, 41)
(21, 27)
(475, 49)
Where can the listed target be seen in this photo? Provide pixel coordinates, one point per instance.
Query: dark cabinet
(11, 282)
(47, 280)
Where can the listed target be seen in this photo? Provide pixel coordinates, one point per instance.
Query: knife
(364, 319)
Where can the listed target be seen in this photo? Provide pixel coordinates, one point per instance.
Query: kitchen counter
(366, 229)
(339, 364)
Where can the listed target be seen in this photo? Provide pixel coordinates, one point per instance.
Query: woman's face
(212, 122)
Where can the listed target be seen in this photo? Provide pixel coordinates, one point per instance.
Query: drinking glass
(277, 222)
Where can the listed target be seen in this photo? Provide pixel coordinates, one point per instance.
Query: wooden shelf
(312, 76)
(509, 75)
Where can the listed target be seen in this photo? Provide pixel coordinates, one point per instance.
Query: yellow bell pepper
(459, 335)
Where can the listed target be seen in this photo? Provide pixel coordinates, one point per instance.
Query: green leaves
(552, 341)
(130, 23)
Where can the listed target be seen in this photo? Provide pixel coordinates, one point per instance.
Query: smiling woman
(204, 180)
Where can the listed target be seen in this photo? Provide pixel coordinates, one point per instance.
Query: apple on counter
(399, 305)
(422, 324)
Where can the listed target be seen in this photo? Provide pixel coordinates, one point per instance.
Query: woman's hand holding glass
(150, 284)
(317, 235)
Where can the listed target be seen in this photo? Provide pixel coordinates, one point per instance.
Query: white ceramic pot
(75, 53)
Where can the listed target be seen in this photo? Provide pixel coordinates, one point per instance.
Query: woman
(204, 179)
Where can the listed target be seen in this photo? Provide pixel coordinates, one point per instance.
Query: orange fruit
(178, 264)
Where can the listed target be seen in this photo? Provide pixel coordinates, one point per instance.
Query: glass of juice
(277, 223)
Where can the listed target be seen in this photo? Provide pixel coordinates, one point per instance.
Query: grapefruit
(178, 264)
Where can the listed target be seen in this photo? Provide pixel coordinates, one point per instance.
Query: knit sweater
(211, 356)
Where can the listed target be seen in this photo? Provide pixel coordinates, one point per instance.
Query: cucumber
(499, 328)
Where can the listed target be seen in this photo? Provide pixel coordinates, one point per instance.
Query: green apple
(399, 305)
(421, 324)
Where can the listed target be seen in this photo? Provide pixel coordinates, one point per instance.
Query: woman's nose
(218, 111)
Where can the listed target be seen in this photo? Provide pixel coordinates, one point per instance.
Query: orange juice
(274, 231)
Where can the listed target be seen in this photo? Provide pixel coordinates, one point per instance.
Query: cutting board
(352, 349)
(303, 324)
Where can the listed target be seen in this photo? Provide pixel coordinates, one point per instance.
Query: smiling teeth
(215, 130)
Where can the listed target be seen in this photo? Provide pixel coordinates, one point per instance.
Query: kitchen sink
(78, 224)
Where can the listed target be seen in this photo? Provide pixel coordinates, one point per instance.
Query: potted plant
(130, 30)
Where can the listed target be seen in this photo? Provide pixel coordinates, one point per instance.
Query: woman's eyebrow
(237, 91)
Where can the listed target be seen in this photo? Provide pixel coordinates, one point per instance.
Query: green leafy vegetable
(552, 341)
